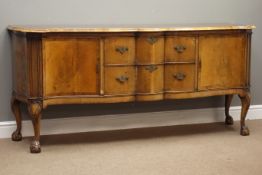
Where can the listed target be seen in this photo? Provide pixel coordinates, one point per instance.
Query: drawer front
(180, 49)
(150, 79)
(180, 78)
(120, 80)
(151, 50)
(119, 50)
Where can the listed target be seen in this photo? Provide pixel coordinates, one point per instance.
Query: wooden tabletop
(129, 28)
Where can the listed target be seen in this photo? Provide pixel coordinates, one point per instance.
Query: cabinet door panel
(70, 66)
(222, 61)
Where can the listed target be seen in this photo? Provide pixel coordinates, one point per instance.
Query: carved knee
(34, 108)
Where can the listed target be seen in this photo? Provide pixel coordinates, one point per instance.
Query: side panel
(19, 64)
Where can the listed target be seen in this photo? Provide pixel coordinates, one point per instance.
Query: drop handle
(179, 76)
(122, 79)
(151, 68)
(152, 40)
(121, 49)
(180, 48)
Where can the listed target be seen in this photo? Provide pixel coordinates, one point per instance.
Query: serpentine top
(129, 28)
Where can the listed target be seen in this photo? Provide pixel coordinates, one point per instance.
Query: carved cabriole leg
(15, 106)
(245, 100)
(229, 120)
(34, 109)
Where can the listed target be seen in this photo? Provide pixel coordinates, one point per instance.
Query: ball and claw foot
(17, 136)
(244, 131)
(229, 120)
(35, 147)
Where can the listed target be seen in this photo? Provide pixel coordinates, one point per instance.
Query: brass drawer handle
(152, 40)
(151, 68)
(179, 76)
(180, 48)
(122, 79)
(121, 49)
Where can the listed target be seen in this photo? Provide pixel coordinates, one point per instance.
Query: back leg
(229, 120)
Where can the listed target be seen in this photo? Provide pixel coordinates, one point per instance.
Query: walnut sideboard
(53, 66)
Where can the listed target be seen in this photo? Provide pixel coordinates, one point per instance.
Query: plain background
(132, 12)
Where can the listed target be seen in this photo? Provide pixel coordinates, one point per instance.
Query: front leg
(34, 109)
(229, 120)
(245, 100)
(15, 106)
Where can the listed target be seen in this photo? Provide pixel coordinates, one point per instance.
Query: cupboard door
(222, 61)
(70, 66)
(120, 80)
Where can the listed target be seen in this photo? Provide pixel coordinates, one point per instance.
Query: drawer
(180, 48)
(180, 77)
(120, 80)
(151, 50)
(119, 50)
(150, 79)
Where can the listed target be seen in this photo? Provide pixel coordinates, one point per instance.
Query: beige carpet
(202, 149)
